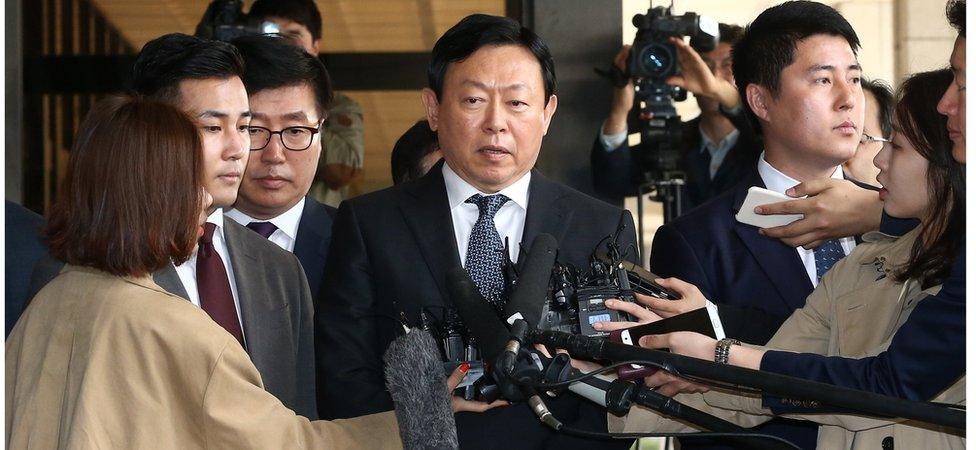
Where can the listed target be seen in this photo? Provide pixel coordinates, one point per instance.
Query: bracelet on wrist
(722, 349)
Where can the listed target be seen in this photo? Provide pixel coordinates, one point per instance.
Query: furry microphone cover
(416, 381)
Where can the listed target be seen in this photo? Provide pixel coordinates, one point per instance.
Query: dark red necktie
(214, 288)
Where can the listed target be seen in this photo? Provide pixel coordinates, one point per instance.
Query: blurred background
(62, 55)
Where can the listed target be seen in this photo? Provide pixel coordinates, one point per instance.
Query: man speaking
(490, 100)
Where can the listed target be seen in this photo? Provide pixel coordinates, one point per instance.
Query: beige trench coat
(99, 361)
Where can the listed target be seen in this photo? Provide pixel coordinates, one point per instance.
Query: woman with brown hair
(864, 299)
(105, 358)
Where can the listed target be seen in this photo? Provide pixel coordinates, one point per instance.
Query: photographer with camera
(718, 147)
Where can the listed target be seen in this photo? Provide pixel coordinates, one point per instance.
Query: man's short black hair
(169, 59)
(272, 62)
(956, 12)
(406, 160)
(886, 103)
(302, 12)
(769, 43)
(729, 33)
(480, 30)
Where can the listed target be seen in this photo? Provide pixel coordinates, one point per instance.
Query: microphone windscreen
(416, 381)
(478, 316)
(529, 296)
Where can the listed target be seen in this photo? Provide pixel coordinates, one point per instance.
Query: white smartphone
(758, 196)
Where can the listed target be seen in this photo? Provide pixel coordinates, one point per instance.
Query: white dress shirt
(286, 222)
(509, 220)
(188, 270)
(779, 182)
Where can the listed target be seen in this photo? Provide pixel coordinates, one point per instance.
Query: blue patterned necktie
(485, 250)
(826, 255)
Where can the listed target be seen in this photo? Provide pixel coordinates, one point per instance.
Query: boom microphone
(529, 295)
(415, 378)
(771, 383)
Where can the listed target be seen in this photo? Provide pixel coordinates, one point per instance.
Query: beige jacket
(99, 361)
(854, 312)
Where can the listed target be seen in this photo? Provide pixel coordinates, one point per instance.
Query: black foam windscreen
(415, 378)
(487, 329)
(529, 295)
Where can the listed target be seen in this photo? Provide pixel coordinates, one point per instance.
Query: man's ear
(431, 106)
(549, 111)
(316, 45)
(758, 97)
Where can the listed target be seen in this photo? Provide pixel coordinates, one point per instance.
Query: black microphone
(486, 328)
(481, 320)
(415, 378)
(529, 295)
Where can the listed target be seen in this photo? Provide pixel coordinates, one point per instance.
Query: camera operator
(719, 146)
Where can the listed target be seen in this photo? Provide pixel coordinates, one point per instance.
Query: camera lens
(656, 60)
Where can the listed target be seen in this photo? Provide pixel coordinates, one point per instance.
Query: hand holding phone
(757, 196)
(697, 321)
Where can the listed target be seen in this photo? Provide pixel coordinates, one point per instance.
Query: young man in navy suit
(288, 92)
(800, 78)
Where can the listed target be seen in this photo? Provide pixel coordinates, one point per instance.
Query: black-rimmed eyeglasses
(296, 138)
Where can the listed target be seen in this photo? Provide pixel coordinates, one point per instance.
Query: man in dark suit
(809, 109)
(288, 92)
(248, 285)
(718, 148)
(490, 100)
(24, 248)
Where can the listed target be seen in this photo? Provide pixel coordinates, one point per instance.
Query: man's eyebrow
(212, 113)
(481, 85)
(215, 114)
(296, 115)
(828, 67)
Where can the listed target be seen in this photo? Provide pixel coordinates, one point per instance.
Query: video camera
(653, 59)
(225, 20)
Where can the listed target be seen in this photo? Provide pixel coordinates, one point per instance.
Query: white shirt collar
(459, 190)
(778, 181)
(217, 218)
(287, 221)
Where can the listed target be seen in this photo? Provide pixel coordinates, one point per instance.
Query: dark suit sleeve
(751, 325)
(926, 354)
(305, 357)
(672, 256)
(614, 174)
(348, 354)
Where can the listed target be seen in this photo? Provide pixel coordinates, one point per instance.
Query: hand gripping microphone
(491, 335)
(415, 378)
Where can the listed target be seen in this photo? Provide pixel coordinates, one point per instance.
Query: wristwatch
(722, 349)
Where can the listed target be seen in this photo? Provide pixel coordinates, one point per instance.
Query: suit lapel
(428, 216)
(780, 262)
(312, 242)
(547, 212)
(257, 309)
(167, 279)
